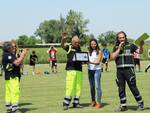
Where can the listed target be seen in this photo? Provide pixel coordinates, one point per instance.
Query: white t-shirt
(93, 57)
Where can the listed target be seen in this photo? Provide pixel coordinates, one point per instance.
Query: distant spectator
(106, 56)
(52, 51)
(33, 61)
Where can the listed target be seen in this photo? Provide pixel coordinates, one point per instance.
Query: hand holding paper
(81, 56)
(141, 39)
(142, 43)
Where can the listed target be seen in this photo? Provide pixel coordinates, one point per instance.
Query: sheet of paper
(82, 56)
(143, 37)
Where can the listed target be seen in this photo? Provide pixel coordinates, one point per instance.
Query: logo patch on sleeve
(9, 57)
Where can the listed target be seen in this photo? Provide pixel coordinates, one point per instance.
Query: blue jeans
(95, 84)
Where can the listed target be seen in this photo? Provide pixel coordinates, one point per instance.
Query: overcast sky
(19, 17)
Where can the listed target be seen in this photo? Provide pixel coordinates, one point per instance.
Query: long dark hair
(117, 41)
(97, 46)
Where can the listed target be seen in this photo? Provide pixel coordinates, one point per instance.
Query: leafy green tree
(62, 24)
(107, 37)
(75, 24)
(131, 40)
(31, 40)
(25, 40)
(49, 31)
(86, 39)
(22, 40)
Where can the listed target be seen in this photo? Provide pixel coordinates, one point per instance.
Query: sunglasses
(14, 46)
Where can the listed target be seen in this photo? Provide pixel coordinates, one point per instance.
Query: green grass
(44, 94)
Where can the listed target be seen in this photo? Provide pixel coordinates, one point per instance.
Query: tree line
(50, 31)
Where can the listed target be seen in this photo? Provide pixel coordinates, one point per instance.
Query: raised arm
(55, 49)
(19, 60)
(64, 40)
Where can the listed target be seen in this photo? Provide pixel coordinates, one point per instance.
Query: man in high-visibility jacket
(10, 66)
(74, 73)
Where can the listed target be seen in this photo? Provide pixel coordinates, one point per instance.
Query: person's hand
(142, 43)
(85, 62)
(121, 45)
(25, 51)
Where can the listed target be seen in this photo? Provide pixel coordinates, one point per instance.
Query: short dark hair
(7, 46)
(33, 52)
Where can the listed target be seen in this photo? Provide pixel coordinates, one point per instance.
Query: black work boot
(77, 105)
(16, 111)
(122, 108)
(141, 106)
(9, 111)
(65, 106)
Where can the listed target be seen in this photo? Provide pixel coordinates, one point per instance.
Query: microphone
(122, 45)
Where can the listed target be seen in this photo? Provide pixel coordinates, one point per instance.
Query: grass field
(44, 94)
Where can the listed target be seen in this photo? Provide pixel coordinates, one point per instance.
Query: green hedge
(43, 55)
(61, 55)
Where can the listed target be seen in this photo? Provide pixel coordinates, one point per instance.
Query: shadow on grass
(24, 110)
(134, 108)
(24, 104)
(88, 105)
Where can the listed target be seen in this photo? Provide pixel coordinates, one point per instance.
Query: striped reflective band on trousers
(76, 100)
(138, 99)
(67, 100)
(123, 101)
(15, 107)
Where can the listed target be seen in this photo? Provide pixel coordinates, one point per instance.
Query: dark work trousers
(127, 75)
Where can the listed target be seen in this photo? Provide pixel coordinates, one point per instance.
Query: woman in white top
(94, 73)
